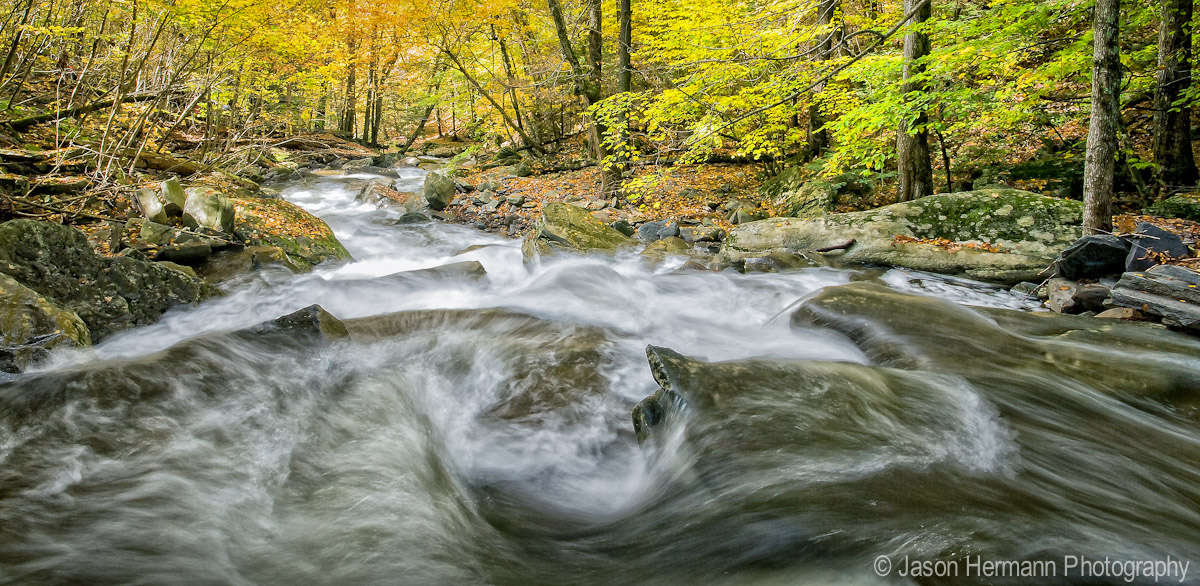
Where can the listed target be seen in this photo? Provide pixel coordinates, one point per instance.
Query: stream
(485, 435)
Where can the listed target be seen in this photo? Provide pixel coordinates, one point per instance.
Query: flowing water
(483, 434)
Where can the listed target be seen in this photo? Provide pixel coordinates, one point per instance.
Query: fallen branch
(843, 246)
(23, 123)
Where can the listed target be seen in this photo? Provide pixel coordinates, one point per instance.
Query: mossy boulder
(30, 325)
(305, 238)
(109, 294)
(1184, 206)
(564, 226)
(1002, 235)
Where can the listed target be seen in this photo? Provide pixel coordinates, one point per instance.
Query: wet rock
(624, 227)
(222, 267)
(660, 249)
(1092, 257)
(1026, 288)
(985, 344)
(573, 227)
(1168, 291)
(702, 234)
(108, 293)
(1150, 242)
(186, 270)
(359, 163)
(175, 197)
(311, 321)
(187, 253)
(657, 230)
(156, 234)
(1030, 231)
(470, 270)
(1120, 313)
(31, 325)
(207, 208)
(439, 191)
(383, 171)
(1066, 296)
(776, 262)
(412, 218)
(376, 193)
(305, 238)
(150, 206)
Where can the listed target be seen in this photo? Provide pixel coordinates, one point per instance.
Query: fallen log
(21, 124)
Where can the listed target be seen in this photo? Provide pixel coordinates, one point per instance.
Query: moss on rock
(1017, 233)
(305, 238)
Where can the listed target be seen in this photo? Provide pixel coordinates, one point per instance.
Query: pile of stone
(1127, 277)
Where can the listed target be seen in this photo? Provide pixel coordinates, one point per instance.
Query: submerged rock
(1029, 230)
(305, 238)
(228, 265)
(108, 293)
(30, 325)
(986, 344)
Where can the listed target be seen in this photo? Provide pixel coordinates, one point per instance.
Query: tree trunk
(1172, 124)
(912, 146)
(348, 113)
(818, 137)
(1106, 107)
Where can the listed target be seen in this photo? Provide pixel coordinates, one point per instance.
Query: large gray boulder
(30, 325)
(1001, 235)
(439, 191)
(109, 294)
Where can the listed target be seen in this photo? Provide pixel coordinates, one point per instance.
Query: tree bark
(912, 146)
(1100, 161)
(348, 113)
(818, 137)
(1172, 124)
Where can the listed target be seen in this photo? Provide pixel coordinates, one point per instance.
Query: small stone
(1120, 313)
(1072, 297)
(175, 197)
(657, 230)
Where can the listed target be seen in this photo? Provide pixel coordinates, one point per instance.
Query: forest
(915, 97)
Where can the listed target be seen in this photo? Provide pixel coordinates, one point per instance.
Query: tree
(818, 139)
(912, 142)
(1172, 123)
(588, 84)
(1101, 157)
